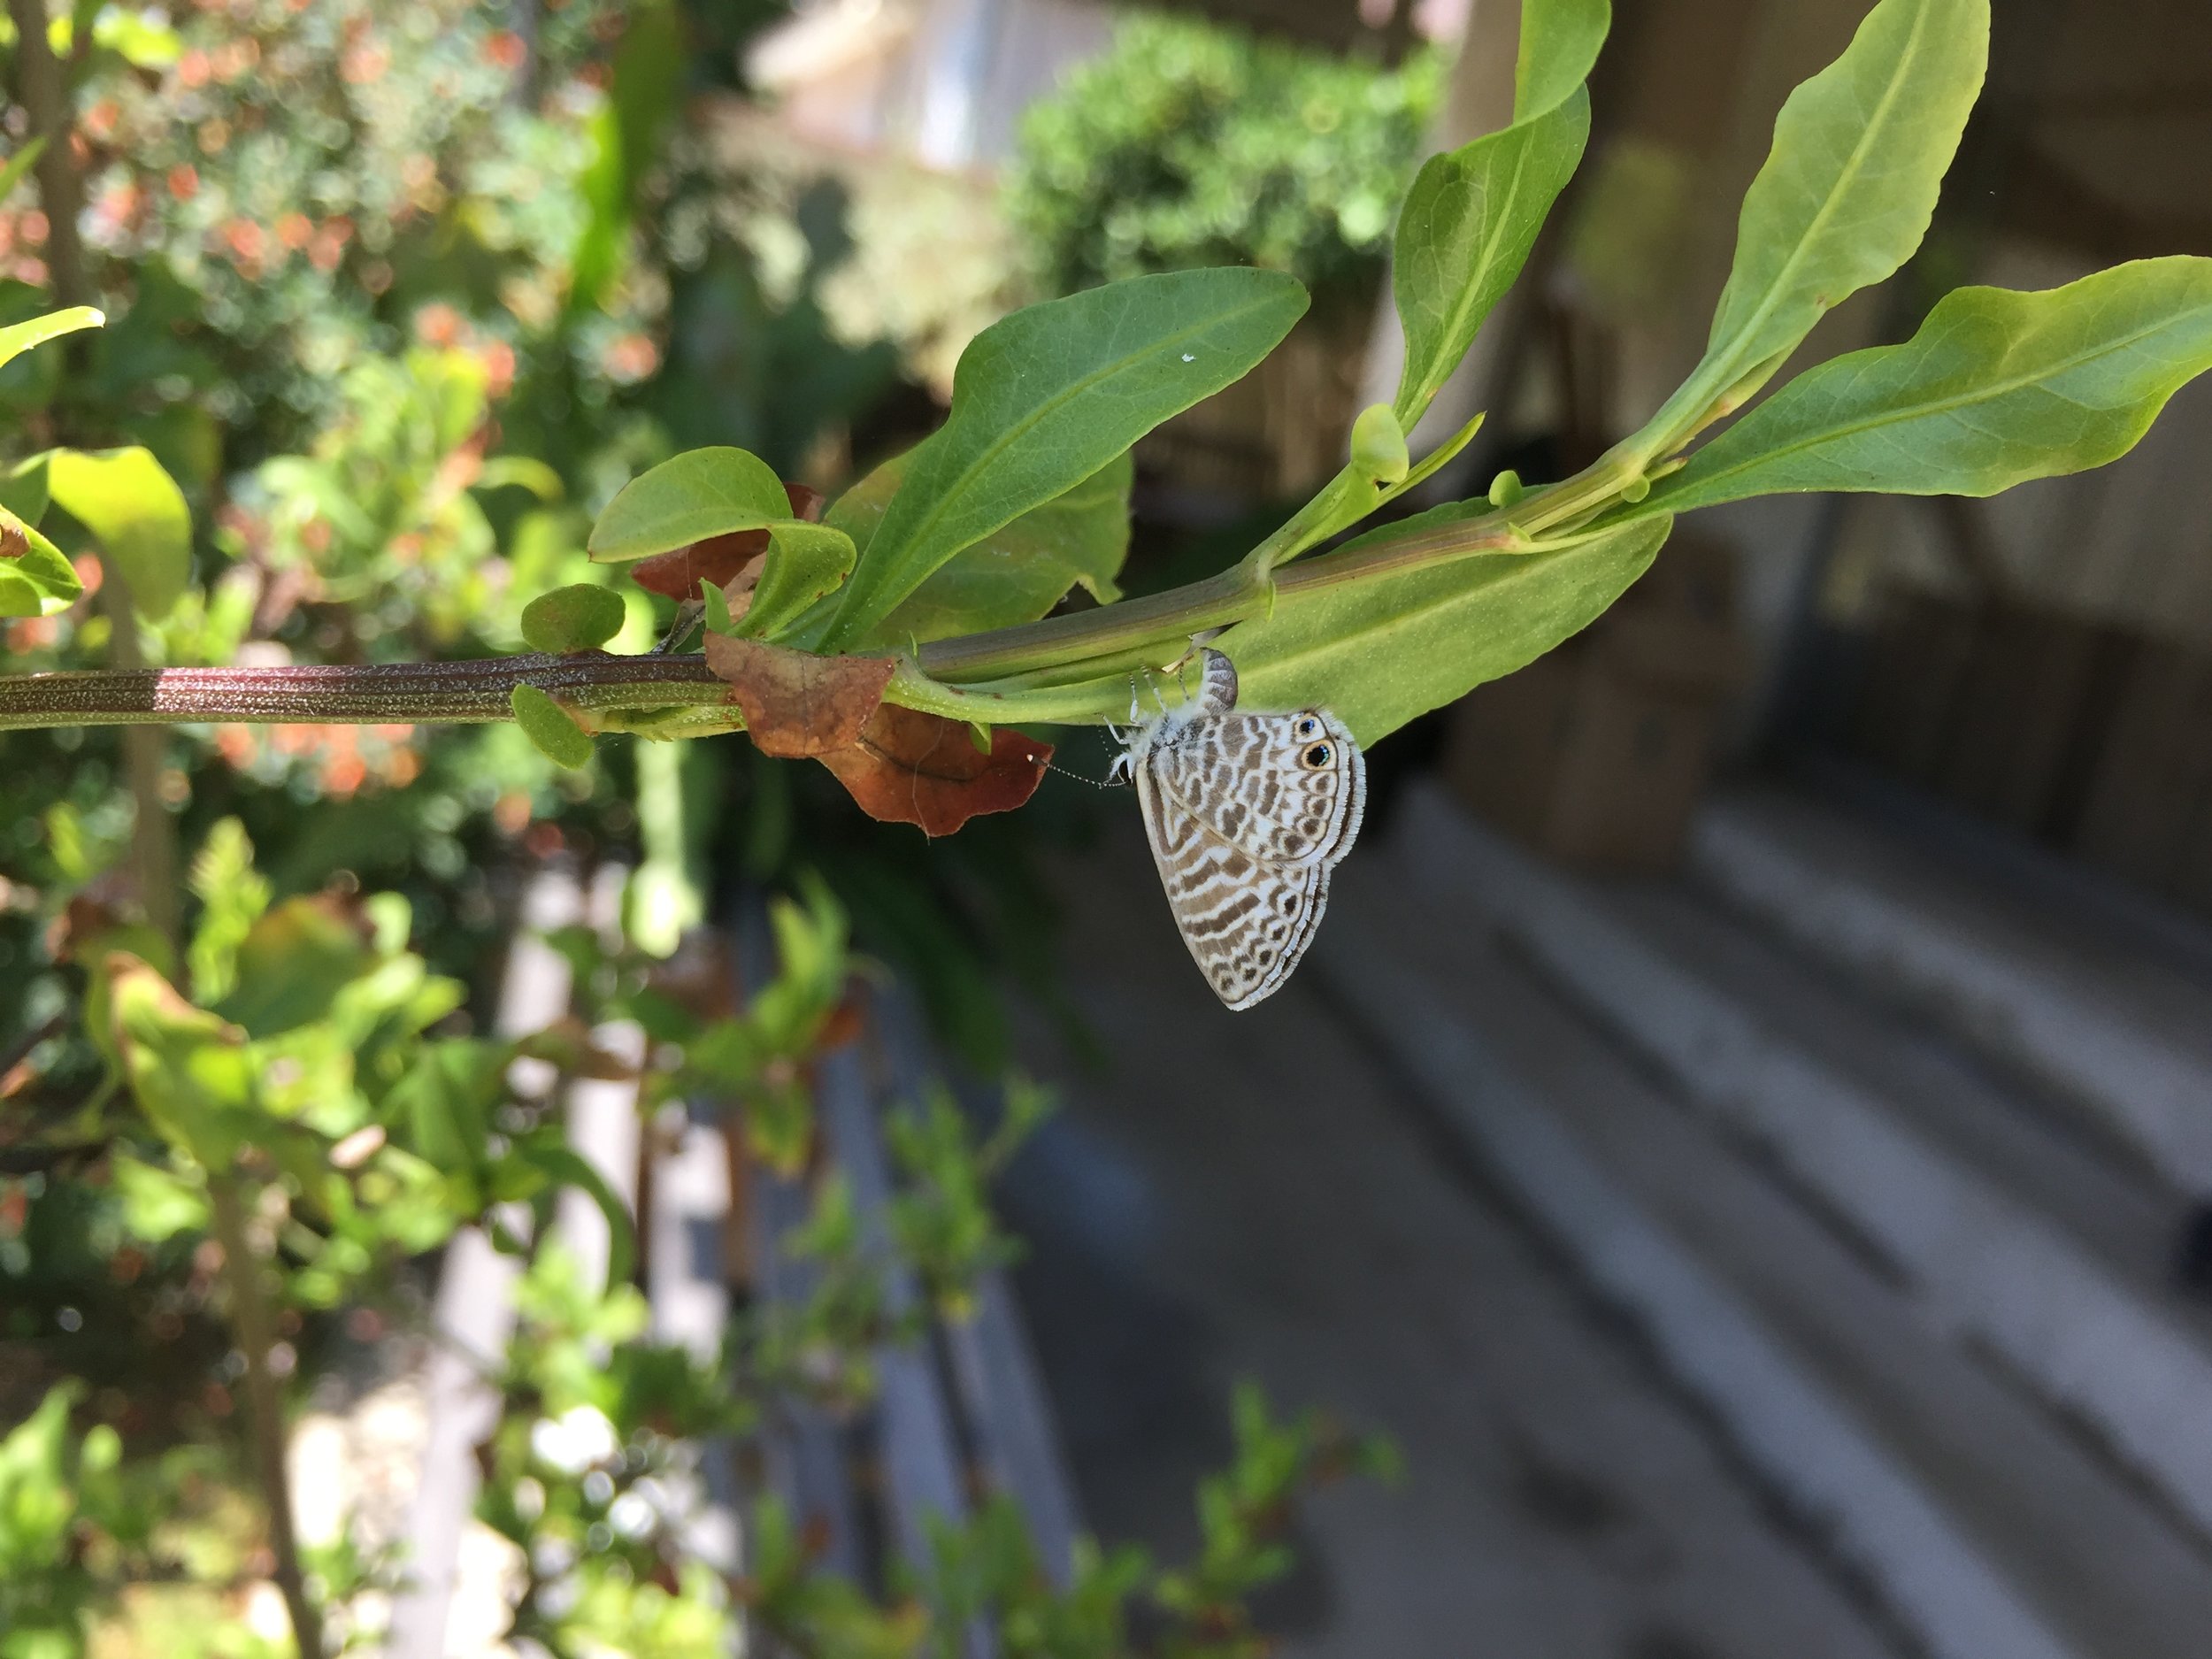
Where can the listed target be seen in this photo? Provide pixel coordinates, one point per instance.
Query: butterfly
(1247, 815)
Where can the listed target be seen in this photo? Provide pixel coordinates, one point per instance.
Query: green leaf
(564, 1166)
(686, 499)
(805, 563)
(1465, 234)
(188, 1068)
(444, 1103)
(23, 489)
(20, 337)
(549, 727)
(1015, 574)
(1845, 193)
(157, 1204)
(1996, 388)
(36, 580)
(291, 963)
(582, 617)
(1376, 653)
(135, 511)
(646, 90)
(1045, 398)
(232, 897)
(1559, 46)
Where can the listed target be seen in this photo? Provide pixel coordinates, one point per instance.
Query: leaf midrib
(1845, 181)
(1074, 389)
(1944, 405)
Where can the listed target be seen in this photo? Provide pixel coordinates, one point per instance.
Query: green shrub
(1193, 144)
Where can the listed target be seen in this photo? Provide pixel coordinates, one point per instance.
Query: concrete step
(1962, 1194)
(1983, 1525)
(2036, 978)
(1251, 1195)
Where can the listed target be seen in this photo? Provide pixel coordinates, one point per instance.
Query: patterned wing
(1288, 788)
(1246, 922)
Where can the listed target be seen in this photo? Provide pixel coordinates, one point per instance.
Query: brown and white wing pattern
(1247, 815)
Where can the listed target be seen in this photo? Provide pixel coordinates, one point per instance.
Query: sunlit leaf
(1995, 388)
(1378, 652)
(135, 511)
(1045, 398)
(1845, 193)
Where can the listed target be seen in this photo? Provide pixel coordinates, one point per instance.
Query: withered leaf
(909, 767)
(796, 703)
(14, 543)
(718, 559)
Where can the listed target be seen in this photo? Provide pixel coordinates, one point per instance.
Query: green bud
(1378, 445)
(1636, 489)
(718, 608)
(581, 618)
(1505, 489)
(548, 725)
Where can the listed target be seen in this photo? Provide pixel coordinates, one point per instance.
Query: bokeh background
(1746, 1131)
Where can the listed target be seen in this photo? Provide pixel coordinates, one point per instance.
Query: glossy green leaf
(806, 562)
(581, 617)
(35, 580)
(1045, 398)
(686, 499)
(1559, 46)
(1378, 653)
(1845, 193)
(1465, 232)
(549, 728)
(135, 511)
(1996, 388)
(1015, 574)
(20, 337)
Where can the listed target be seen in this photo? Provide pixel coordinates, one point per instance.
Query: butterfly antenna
(1084, 777)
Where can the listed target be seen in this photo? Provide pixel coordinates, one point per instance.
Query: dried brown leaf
(719, 559)
(723, 560)
(908, 767)
(796, 704)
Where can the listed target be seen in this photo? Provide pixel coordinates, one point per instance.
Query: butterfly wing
(1289, 788)
(1245, 825)
(1246, 923)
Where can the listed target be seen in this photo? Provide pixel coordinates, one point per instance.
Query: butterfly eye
(1317, 757)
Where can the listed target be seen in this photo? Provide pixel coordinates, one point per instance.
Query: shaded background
(1745, 1130)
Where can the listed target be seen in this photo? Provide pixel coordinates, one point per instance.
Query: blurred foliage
(1192, 143)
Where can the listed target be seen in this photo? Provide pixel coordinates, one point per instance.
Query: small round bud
(1505, 489)
(1378, 445)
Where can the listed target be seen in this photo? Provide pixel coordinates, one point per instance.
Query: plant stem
(265, 1410)
(1085, 644)
(153, 835)
(376, 694)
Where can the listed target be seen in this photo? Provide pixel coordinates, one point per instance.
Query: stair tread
(2108, 1568)
(2030, 1147)
(2109, 973)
